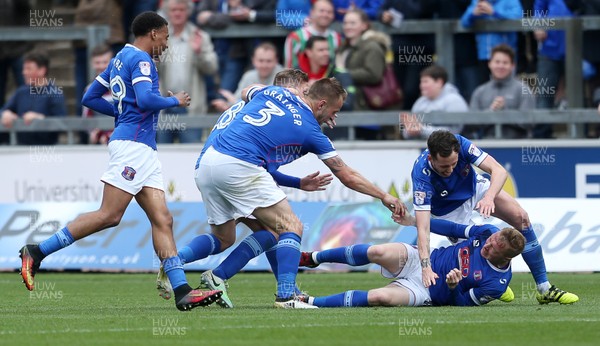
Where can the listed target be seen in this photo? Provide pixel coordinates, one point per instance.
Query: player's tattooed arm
(425, 262)
(335, 164)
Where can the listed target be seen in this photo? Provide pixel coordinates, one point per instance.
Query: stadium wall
(46, 187)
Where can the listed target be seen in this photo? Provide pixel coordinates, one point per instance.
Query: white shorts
(232, 188)
(132, 166)
(411, 278)
(463, 215)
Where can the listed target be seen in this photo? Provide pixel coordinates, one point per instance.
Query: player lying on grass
(477, 270)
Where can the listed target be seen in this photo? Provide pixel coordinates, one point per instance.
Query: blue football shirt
(130, 66)
(442, 195)
(482, 282)
(275, 128)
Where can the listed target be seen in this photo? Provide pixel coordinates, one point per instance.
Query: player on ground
(296, 81)
(446, 186)
(477, 269)
(134, 169)
(277, 128)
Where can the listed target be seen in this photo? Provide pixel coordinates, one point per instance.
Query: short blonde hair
(514, 239)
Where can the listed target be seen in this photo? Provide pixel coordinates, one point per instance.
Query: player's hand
(183, 97)
(404, 220)
(315, 182)
(429, 277)
(394, 205)
(331, 123)
(486, 206)
(453, 278)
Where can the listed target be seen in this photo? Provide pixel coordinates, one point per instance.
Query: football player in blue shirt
(445, 185)
(134, 169)
(278, 127)
(208, 244)
(477, 269)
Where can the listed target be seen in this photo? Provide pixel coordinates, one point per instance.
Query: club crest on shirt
(145, 68)
(128, 173)
(473, 150)
(419, 197)
(477, 275)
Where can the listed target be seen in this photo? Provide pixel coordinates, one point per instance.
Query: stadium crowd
(493, 71)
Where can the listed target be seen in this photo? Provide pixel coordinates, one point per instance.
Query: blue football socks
(57, 241)
(250, 247)
(288, 257)
(200, 247)
(533, 256)
(355, 255)
(345, 299)
(174, 270)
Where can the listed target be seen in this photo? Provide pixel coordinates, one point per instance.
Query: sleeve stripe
(467, 231)
(422, 207)
(102, 81)
(252, 92)
(472, 294)
(327, 155)
(480, 159)
(141, 79)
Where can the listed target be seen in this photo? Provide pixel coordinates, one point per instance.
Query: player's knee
(375, 253)
(379, 298)
(112, 219)
(166, 220)
(523, 218)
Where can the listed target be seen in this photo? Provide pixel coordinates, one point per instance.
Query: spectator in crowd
(437, 95)
(591, 54)
(363, 57)
(551, 59)
(266, 67)
(315, 60)
(370, 7)
(466, 69)
(233, 53)
(131, 8)
(13, 13)
(292, 14)
(412, 53)
(502, 92)
(321, 18)
(491, 10)
(190, 57)
(95, 12)
(101, 56)
(37, 99)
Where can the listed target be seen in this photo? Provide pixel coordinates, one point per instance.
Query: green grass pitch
(119, 309)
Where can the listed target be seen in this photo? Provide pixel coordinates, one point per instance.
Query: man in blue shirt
(204, 245)
(477, 270)
(37, 99)
(134, 169)
(277, 127)
(445, 185)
